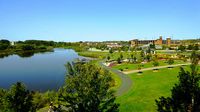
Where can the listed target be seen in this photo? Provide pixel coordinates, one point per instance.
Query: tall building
(168, 41)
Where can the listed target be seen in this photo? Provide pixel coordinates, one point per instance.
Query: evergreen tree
(119, 60)
(108, 58)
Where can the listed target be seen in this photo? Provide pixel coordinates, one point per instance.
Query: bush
(155, 63)
(27, 47)
(118, 60)
(170, 61)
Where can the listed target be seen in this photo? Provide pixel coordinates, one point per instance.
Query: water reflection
(40, 71)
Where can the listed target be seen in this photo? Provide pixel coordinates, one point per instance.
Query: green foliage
(152, 46)
(26, 47)
(148, 57)
(39, 42)
(18, 99)
(196, 47)
(69, 69)
(4, 44)
(121, 56)
(142, 53)
(111, 51)
(108, 58)
(181, 48)
(41, 100)
(185, 94)
(193, 47)
(155, 63)
(170, 61)
(125, 48)
(119, 60)
(87, 90)
(2, 95)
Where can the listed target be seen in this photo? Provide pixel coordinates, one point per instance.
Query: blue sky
(98, 20)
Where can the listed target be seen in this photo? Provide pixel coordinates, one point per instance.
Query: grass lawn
(93, 54)
(146, 88)
(103, 55)
(129, 66)
(117, 80)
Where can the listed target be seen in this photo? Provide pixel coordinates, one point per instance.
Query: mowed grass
(94, 54)
(103, 55)
(132, 66)
(146, 88)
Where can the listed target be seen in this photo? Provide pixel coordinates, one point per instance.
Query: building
(159, 41)
(113, 45)
(12, 43)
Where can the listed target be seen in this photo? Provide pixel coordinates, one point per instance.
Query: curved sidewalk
(126, 81)
(159, 67)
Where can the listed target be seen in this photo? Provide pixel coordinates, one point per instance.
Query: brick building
(159, 41)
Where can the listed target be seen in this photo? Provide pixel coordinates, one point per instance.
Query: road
(126, 80)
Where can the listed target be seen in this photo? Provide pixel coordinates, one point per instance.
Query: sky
(99, 20)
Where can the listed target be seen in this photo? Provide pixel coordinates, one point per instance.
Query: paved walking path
(158, 67)
(126, 80)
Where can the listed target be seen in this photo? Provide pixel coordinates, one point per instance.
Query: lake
(42, 71)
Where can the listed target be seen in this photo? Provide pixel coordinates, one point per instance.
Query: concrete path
(159, 67)
(126, 80)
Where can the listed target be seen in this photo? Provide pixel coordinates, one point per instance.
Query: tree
(185, 94)
(121, 56)
(190, 47)
(170, 61)
(4, 44)
(27, 47)
(181, 48)
(111, 51)
(119, 60)
(196, 47)
(152, 46)
(131, 56)
(148, 57)
(2, 95)
(155, 63)
(142, 54)
(18, 99)
(134, 59)
(108, 58)
(88, 90)
(69, 69)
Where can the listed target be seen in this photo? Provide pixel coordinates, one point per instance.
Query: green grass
(117, 80)
(93, 54)
(132, 66)
(146, 88)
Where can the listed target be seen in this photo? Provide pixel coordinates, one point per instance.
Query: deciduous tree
(88, 90)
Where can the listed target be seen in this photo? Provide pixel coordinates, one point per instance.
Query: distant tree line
(189, 47)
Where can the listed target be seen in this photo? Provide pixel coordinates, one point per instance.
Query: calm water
(44, 71)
